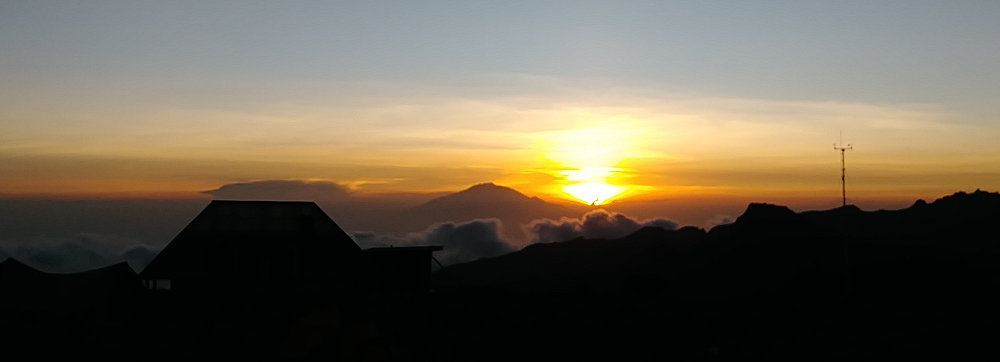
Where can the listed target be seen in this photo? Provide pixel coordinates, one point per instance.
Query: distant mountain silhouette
(490, 200)
(838, 284)
(486, 200)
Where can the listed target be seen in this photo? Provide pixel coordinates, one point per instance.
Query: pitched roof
(228, 225)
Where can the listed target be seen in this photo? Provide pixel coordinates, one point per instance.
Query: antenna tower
(843, 168)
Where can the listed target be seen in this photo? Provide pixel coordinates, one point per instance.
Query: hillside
(828, 285)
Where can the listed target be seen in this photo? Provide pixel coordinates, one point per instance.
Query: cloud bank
(480, 238)
(79, 253)
(462, 242)
(594, 224)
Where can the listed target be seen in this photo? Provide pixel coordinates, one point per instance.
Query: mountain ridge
(487, 192)
(836, 284)
(759, 214)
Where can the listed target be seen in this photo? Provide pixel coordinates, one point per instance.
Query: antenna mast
(843, 168)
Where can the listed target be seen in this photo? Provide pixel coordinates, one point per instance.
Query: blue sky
(891, 51)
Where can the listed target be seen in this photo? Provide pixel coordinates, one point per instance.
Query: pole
(843, 178)
(843, 168)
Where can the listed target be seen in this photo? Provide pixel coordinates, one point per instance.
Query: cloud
(480, 238)
(662, 223)
(78, 253)
(462, 242)
(594, 224)
(281, 190)
(720, 220)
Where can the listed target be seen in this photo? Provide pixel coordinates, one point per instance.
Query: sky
(624, 99)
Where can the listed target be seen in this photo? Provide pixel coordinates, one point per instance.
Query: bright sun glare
(590, 184)
(588, 157)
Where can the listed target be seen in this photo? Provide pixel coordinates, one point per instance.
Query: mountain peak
(764, 211)
(483, 185)
(492, 191)
(977, 196)
(480, 194)
(487, 186)
(979, 204)
(486, 200)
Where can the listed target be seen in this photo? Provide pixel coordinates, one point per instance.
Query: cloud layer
(461, 241)
(595, 224)
(80, 253)
(471, 240)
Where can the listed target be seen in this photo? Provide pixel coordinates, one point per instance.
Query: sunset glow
(588, 159)
(593, 193)
(590, 185)
(624, 103)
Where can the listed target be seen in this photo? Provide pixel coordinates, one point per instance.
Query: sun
(587, 159)
(590, 184)
(593, 193)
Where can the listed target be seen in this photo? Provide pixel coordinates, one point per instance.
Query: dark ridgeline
(834, 285)
(280, 280)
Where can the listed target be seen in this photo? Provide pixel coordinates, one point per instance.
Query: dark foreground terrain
(841, 284)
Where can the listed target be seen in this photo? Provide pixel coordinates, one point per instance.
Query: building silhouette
(303, 284)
